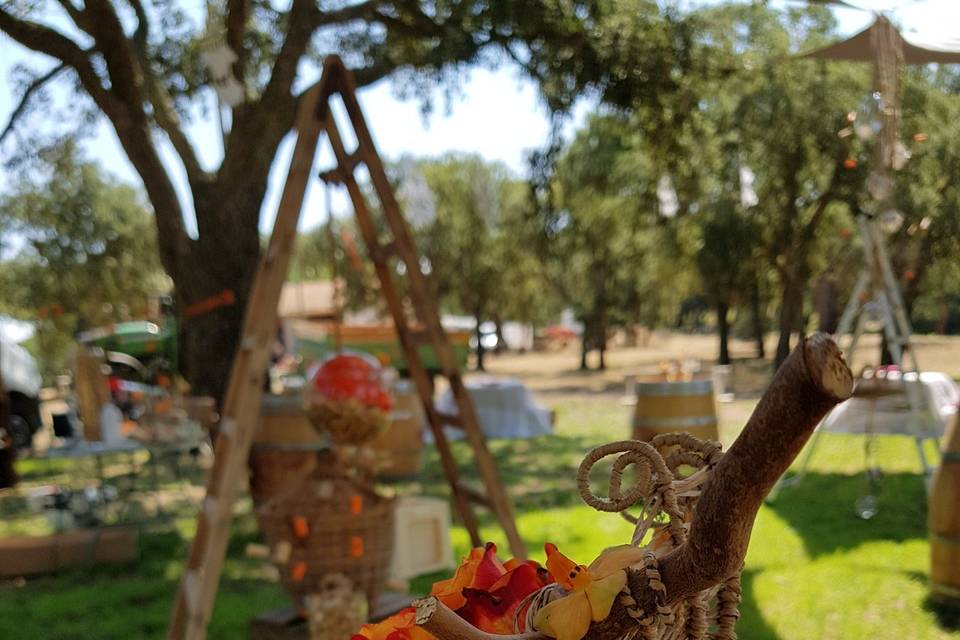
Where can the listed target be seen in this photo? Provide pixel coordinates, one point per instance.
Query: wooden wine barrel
(943, 522)
(399, 449)
(285, 447)
(666, 407)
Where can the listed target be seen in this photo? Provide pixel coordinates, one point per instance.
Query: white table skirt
(891, 414)
(505, 409)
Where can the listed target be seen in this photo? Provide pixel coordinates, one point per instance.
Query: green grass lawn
(814, 570)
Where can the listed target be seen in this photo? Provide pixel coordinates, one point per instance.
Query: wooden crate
(422, 544)
(33, 555)
(288, 624)
(399, 449)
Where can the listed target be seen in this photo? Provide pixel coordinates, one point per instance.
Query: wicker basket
(330, 523)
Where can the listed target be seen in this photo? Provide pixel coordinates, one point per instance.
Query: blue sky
(498, 114)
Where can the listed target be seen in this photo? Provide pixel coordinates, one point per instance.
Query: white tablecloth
(891, 414)
(505, 408)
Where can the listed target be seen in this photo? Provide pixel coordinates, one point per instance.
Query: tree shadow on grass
(752, 624)
(821, 509)
(538, 473)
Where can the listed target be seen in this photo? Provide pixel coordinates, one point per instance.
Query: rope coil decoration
(668, 475)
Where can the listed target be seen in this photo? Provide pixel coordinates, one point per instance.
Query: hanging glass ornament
(667, 196)
(879, 186)
(748, 194)
(890, 221)
(899, 155)
(867, 119)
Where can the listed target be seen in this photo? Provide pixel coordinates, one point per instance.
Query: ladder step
(383, 252)
(450, 419)
(419, 336)
(446, 418)
(472, 494)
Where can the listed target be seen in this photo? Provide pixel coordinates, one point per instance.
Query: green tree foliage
(140, 65)
(475, 246)
(85, 254)
(602, 253)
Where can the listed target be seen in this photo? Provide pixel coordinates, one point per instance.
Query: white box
(422, 543)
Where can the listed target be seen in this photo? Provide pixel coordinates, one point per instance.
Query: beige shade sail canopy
(863, 47)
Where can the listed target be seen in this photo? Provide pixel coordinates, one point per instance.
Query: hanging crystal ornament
(748, 195)
(416, 195)
(867, 121)
(219, 58)
(899, 155)
(667, 196)
(890, 221)
(879, 186)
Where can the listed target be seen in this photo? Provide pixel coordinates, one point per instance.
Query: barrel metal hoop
(953, 541)
(674, 423)
(939, 588)
(687, 388)
(950, 456)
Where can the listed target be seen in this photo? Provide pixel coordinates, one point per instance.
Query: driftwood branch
(445, 624)
(813, 379)
(810, 382)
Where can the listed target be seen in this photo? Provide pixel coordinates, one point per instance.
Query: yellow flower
(592, 591)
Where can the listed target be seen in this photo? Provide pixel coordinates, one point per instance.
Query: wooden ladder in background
(417, 323)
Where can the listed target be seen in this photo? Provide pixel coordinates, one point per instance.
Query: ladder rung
(472, 494)
(351, 161)
(446, 418)
(450, 419)
(383, 252)
(419, 336)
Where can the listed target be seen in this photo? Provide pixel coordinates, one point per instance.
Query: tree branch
(142, 34)
(51, 42)
(77, 15)
(34, 86)
(126, 78)
(236, 21)
(129, 121)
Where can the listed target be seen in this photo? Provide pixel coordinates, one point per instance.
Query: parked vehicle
(22, 383)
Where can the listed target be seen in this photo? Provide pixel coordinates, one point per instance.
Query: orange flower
(492, 610)
(592, 591)
(480, 570)
(400, 626)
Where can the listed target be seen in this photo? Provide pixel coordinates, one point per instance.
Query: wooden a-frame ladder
(417, 323)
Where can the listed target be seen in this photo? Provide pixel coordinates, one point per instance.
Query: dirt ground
(555, 376)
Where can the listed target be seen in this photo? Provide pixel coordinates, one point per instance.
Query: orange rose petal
(356, 504)
(298, 572)
(493, 611)
(479, 570)
(489, 569)
(300, 526)
(400, 626)
(356, 547)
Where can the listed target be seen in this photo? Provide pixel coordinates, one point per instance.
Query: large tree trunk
(723, 328)
(208, 340)
(480, 349)
(213, 281)
(828, 308)
(756, 318)
(791, 314)
(585, 344)
(501, 342)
